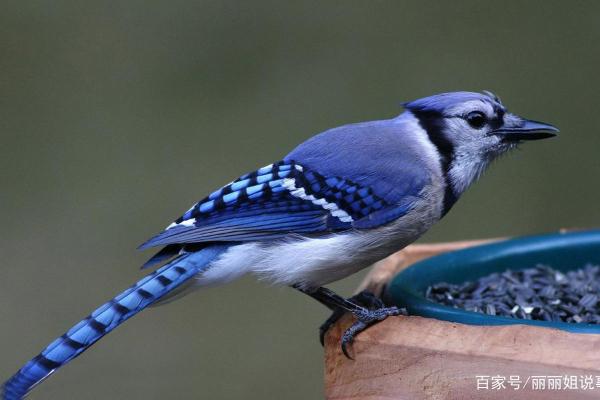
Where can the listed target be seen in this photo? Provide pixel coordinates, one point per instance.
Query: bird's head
(471, 129)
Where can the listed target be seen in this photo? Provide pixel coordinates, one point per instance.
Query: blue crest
(440, 102)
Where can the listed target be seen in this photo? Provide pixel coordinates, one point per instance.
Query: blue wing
(275, 201)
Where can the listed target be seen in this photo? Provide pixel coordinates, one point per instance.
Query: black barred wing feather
(277, 200)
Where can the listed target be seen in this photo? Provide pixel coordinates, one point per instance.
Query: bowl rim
(562, 251)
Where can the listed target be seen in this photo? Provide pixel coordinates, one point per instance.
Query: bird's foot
(365, 299)
(371, 310)
(364, 319)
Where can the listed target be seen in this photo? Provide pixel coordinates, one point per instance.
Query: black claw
(329, 322)
(345, 351)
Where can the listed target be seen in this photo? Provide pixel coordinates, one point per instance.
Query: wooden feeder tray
(423, 358)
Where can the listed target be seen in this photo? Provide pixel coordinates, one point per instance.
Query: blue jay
(337, 203)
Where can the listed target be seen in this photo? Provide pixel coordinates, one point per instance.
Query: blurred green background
(116, 116)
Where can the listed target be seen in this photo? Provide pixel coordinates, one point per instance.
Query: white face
(470, 127)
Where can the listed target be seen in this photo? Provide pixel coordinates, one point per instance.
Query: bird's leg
(367, 309)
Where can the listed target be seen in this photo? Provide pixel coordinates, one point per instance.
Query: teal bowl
(561, 251)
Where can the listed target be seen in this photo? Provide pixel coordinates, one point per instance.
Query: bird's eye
(476, 119)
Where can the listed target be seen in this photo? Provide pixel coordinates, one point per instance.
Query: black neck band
(432, 123)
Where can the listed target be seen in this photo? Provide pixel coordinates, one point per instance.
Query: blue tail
(106, 318)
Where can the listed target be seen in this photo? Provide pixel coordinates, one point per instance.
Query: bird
(337, 203)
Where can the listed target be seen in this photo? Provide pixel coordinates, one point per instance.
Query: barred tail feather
(107, 317)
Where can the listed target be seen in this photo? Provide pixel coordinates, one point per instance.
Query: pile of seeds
(539, 293)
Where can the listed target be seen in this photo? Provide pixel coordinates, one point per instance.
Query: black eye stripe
(497, 122)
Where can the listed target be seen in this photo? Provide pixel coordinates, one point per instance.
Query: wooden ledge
(421, 358)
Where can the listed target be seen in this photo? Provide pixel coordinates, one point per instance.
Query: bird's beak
(523, 129)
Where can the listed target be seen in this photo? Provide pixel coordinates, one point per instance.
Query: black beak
(526, 130)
